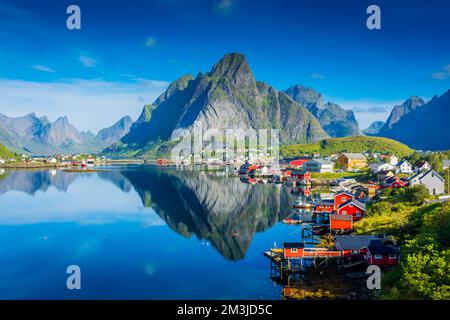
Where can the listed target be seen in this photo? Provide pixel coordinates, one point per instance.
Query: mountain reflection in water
(216, 208)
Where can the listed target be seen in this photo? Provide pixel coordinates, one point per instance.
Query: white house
(445, 164)
(431, 180)
(319, 165)
(393, 160)
(423, 166)
(52, 160)
(2, 161)
(376, 167)
(405, 167)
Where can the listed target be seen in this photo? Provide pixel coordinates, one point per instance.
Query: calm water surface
(139, 232)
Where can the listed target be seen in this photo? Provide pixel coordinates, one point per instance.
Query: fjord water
(139, 232)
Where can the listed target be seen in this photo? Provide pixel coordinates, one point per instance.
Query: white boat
(301, 204)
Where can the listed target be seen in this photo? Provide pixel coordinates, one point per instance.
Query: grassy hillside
(348, 144)
(5, 153)
(423, 233)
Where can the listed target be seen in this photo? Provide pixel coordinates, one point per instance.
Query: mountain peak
(306, 96)
(414, 101)
(234, 67)
(62, 120)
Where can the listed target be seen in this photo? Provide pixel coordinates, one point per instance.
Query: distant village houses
(391, 159)
(352, 161)
(445, 164)
(376, 167)
(423, 166)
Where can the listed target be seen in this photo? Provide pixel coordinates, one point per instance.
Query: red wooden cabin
(354, 247)
(382, 255)
(324, 206)
(354, 208)
(341, 198)
(301, 175)
(293, 250)
(395, 182)
(341, 223)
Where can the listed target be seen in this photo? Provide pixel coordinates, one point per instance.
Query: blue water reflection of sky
(125, 251)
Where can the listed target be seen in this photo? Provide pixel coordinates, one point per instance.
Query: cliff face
(421, 125)
(228, 97)
(335, 120)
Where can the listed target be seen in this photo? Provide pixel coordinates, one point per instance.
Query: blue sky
(128, 51)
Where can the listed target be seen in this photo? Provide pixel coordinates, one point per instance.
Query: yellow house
(352, 161)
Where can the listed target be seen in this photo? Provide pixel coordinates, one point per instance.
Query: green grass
(423, 233)
(7, 154)
(336, 175)
(348, 144)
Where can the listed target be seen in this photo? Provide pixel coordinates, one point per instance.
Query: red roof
(298, 162)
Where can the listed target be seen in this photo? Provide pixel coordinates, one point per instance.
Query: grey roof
(293, 245)
(355, 242)
(355, 202)
(418, 174)
(437, 175)
(383, 249)
(321, 161)
(341, 217)
(355, 156)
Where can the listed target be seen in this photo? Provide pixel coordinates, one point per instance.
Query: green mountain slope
(349, 144)
(5, 153)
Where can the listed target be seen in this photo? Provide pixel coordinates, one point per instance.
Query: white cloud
(87, 61)
(150, 42)
(42, 68)
(443, 74)
(317, 76)
(89, 104)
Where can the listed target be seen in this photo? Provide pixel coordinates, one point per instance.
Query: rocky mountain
(227, 97)
(116, 131)
(334, 119)
(401, 110)
(421, 126)
(374, 128)
(37, 135)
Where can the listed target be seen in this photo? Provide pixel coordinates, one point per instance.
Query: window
(344, 212)
(294, 250)
(358, 214)
(344, 199)
(392, 256)
(378, 257)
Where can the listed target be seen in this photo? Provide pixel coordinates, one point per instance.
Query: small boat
(301, 204)
(292, 221)
(83, 164)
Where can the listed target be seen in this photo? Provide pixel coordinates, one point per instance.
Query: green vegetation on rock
(348, 144)
(5, 153)
(423, 232)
